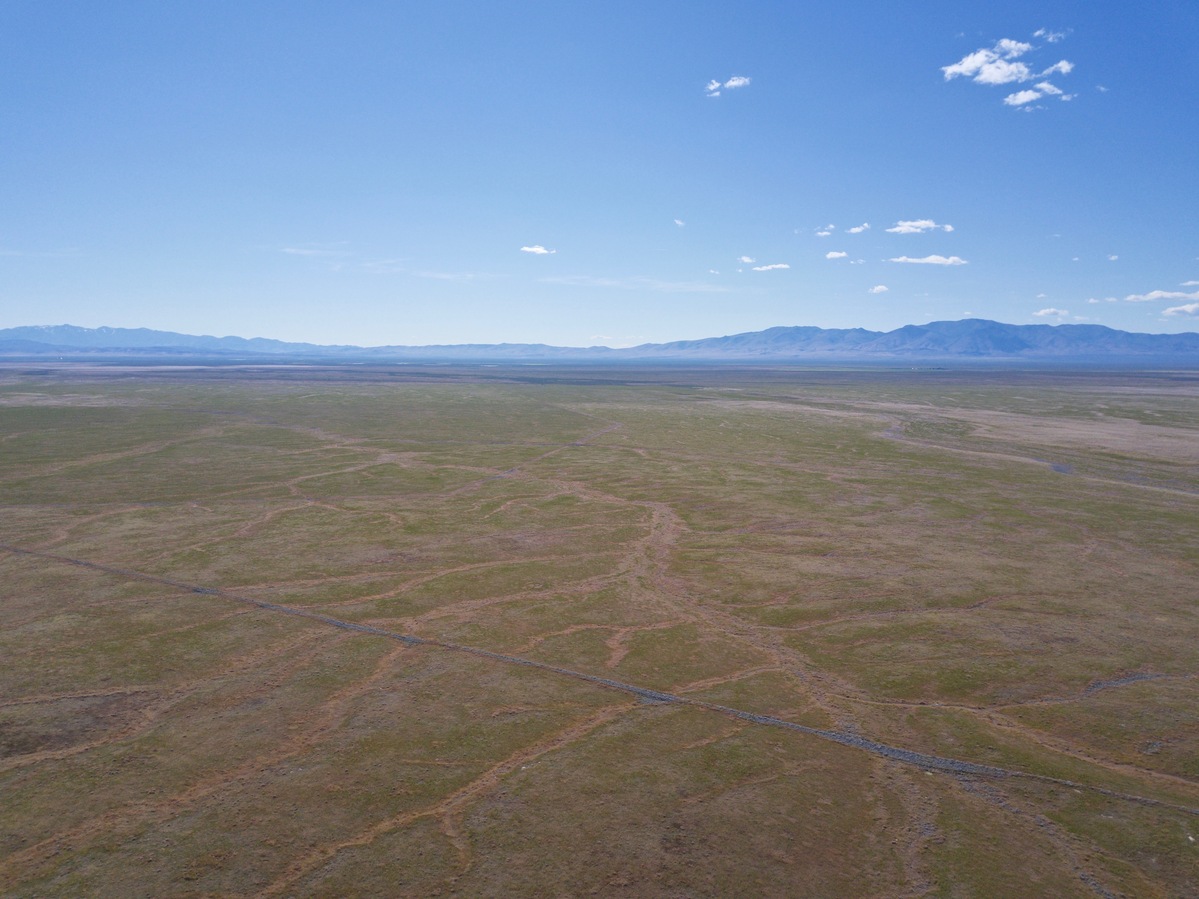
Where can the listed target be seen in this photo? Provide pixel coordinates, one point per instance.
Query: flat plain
(435, 630)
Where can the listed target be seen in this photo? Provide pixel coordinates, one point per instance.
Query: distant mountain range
(970, 338)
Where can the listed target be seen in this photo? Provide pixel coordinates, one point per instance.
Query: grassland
(243, 610)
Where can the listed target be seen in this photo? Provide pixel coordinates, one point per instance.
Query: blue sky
(385, 172)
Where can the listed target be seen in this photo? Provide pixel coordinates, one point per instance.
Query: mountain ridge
(965, 338)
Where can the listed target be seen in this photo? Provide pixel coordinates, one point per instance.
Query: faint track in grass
(448, 810)
(1031, 460)
(131, 815)
(508, 472)
(957, 767)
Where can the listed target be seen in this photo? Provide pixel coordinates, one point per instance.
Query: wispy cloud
(399, 267)
(452, 276)
(317, 249)
(1021, 97)
(918, 226)
(1160, 295)
(931, 260)
(1112, 258)
(748, 260)
(770, 268)
(1189, 284)
(1189, 309)
(1050, 37)
(636, 283)
(878, 288)
(823, 233)
(1003, 64)
(865, 226)
(538, 250)
(835, 254)
(680, 223)
(1052, 313)
(713, 87)
(384, 267)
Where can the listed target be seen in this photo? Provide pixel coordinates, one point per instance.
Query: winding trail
(952, 766)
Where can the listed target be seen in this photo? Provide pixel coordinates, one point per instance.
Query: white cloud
(1050, 37)
(1188, 309)
(680, 223)
(878, 288)
(538, 250)
(712, 88)
(1160, 295)
(713, 271)
(994, 65)
(823, 233)
(1189, 284)
(1112, 258)
(1046, 313)
(931, 260)
(1002, 72)
(835, 254)
(1050, 89)
(770, 268)
(1002, 64)
(748, 260)
(865, 226)
(918, 226)
(1092, 300)
(1011, 49)
(1021, 97)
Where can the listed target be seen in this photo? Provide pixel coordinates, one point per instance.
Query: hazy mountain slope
(973, 338)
